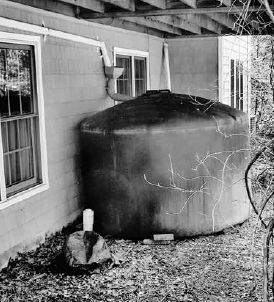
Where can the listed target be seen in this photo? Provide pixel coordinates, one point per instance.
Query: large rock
(86, 248)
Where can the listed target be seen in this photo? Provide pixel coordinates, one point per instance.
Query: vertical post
(220, 70)
(248, 95)
(132, 58)
(2, 172)
(166, 58)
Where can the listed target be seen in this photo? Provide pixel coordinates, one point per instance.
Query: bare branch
(254, 159)
(268, 9)
(269, 234)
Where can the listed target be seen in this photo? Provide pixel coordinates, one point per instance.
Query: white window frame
(132, 53)
(226, 53)
(34, 41)
(240, 74)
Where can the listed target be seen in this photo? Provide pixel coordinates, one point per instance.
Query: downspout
(42, 30)
(166, 62)
(111, 74)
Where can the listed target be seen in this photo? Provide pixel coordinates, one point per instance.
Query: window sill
(23, 195)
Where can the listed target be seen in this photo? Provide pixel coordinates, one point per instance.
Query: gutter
(41, 30)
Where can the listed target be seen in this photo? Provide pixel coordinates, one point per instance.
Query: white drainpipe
(166, 62)
(105, 54)
(117, 97)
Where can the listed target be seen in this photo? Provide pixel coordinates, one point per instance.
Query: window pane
(13, 142)
(26, 104)
(27, 164)
(6, 167)
(18, 153)
(4, 111)
(241, 86)
(124, 82)
(140, 75)
(25, 133)
(25, 80)
(4, 137)
(15, 167)
(237, 84)
(13, 81)
(232, 79)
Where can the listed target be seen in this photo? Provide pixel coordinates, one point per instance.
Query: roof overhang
(170, 18)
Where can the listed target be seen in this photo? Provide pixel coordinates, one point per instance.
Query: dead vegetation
(212, 268)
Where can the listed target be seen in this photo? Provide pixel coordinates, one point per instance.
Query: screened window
(236, 84)
(140, 75)
(124, 82)
(232, 83)
(133, 81)
(19, 119)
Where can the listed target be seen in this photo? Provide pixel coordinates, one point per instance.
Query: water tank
(165, 163)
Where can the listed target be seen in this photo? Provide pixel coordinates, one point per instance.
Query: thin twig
(254, 159)
(269, 234)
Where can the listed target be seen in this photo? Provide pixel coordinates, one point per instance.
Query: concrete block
(159, 237)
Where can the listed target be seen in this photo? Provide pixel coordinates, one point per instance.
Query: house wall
(237, 48)
(194, 66)
(74, 87)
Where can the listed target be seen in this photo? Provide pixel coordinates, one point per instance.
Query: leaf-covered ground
(208, 268)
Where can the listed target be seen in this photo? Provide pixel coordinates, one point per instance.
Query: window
(236, 84)
(20, 146)
(124, 82)
(134, 80)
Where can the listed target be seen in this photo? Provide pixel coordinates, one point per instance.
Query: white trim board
(35, 41)
(49, 32)
(220, 69)
(46, 32)
(23, 195)
(130, 52)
